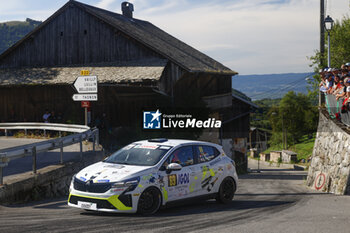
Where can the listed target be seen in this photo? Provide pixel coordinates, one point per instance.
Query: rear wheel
(150, 201)
(226, 191)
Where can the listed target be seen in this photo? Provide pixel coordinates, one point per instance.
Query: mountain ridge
(273, 86)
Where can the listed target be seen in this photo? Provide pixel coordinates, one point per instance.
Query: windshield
(136, 154)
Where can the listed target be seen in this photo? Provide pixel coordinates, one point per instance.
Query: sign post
(86, 105)
(86, 87)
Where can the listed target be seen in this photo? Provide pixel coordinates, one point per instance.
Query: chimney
(127, 9)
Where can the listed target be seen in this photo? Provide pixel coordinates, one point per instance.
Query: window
(182, 156)
(135, 154)
(206, 153)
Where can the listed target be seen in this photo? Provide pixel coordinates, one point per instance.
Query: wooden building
(138, 65)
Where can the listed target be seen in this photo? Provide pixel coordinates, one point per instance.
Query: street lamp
(328, 24)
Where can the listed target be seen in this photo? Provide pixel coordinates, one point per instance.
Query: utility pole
(322, 33)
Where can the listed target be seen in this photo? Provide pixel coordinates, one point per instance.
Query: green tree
(340, 47)
(297, 115)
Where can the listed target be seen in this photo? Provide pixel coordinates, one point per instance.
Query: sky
(248, 36)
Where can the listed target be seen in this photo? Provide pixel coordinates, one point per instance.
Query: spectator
(329, 82)
(46, 116)
(341, 91)
(53, 118)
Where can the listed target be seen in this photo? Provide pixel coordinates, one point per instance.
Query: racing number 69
(172, 180)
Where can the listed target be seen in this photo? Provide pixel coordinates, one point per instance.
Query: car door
(176, 184)
(209, 169)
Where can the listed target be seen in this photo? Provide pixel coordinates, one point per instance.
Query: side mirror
(174, 167)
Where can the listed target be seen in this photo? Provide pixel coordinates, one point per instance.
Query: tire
(226, 191)
(149, 201)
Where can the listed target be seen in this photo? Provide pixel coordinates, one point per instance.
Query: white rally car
(146, 175)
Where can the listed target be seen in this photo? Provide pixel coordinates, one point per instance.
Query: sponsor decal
(229, 166)
(165, 193)
(152, 180)
(101, 181)
(211, 185)
(148, 177)
(180, 179)
(116, 166)
(172, 180)
(136, 194)
(191, 187)
(82, 178)
(151, 120)
(183, 178)
(146, 147)
(161, 181)
(206, 182)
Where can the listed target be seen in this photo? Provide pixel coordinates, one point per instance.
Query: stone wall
(330, 164)
(51, 181)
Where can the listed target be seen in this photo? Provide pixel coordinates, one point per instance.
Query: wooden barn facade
(138, 65)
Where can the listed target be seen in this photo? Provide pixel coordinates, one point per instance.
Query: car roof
(176, 142)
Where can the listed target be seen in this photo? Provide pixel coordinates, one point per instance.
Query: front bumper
(125, 203)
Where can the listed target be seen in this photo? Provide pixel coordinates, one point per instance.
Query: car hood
(102, 172)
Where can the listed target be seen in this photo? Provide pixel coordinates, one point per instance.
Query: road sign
(85, 104)
(84, 72)
(84, 97)
(86, 84)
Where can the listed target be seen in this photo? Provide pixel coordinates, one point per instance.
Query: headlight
(129, 184)
(72, 183)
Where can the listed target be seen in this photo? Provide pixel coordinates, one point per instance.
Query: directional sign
(86, 84)
(85, 97)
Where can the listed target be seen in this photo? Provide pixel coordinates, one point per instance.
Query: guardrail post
(44, 132)
(81, 146)
(1, 179)
(34, 159)
(94, 141)
(61, 152)
(97, 137)
(25, 132)
(6, 132)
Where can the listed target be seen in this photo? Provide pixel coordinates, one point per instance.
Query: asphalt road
(274, 200)
(20, 165)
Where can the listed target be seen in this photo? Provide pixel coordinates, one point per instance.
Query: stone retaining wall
(330, 164)
(51, 181)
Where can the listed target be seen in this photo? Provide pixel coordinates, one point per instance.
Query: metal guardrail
(334, 107)
(81, 133)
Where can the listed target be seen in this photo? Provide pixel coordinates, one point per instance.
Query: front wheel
(226, 191)
(149, 202)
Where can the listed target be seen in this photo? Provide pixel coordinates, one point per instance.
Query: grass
(303, 148)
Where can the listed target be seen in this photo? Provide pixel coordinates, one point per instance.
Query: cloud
(268, 34)
(105, 3)
(249, 36)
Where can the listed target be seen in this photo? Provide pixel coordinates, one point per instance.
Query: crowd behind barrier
(335, 84)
